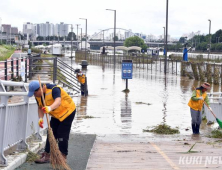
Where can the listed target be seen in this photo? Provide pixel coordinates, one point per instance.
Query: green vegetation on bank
(135, 41)
(6, 51)
(34, 50)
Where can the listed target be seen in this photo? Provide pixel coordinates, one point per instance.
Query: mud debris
(163, 129)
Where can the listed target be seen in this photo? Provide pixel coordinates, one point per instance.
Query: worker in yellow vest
(82, 80)
(196, 104)
(62, 110)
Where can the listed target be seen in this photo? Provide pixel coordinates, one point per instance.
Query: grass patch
(163, 129)
(204, 118)
(216, 134)
(88, 117)
(143, 103)
(6, 51)
(47, 55)
(31, 157)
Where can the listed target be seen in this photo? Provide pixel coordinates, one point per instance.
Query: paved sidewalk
(140, 152)
(80, 146)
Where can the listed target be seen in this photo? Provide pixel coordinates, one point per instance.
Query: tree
(135, 41)
(70, 35)
(116, 38)
(182, 39)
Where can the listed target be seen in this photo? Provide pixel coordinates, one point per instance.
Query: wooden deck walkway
(133, 153)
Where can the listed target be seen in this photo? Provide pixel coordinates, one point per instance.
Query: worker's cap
(77, 70)
(206, 85)
(33, 86)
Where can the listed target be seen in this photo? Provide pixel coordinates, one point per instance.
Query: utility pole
(165, 64)
(10, 34)
(71, 38)
(64, 38)
(86, 37)
(114, 39)
(81, 39)
(1, 30)
(77, 37)
(58, 37)
(103, 37)
(164, 39)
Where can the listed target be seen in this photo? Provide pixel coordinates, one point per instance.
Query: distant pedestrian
(196, 104)
(82, 80)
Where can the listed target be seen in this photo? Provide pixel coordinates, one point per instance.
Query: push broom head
(57, 160)
(219, 122)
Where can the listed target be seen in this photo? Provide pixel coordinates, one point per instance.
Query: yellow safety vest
(197, 105)
(81, 78)
(66, 107)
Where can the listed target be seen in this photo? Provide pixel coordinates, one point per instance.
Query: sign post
(127, 71)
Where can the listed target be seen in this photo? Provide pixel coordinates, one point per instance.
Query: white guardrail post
(18, 121)
(3, 121)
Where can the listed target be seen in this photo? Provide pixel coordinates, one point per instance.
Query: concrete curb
(18, 159)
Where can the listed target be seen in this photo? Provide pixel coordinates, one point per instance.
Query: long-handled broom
(56, 159)
(218, 120)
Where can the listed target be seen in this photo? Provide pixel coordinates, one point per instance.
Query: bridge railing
(18, 121)
(11, 68)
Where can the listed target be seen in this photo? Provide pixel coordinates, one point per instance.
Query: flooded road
(153, 99)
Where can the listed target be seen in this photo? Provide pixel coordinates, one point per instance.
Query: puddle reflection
(126, 112)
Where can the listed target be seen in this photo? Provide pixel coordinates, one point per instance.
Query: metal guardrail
(18, 121)
(59, 70)
(12, 67)
(216, 105)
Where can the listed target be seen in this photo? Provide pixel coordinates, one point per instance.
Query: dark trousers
(61, 132)
(196, 118)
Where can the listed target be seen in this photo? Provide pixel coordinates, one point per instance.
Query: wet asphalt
(80, 146)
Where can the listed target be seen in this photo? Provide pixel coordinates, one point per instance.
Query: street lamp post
(86, 36)
(77, 39)
(114, 39)
(103, 35)
(71, 38)
(163, 37)
(10, 34)
(81, 39)
(165, 63)
(1, 30)
(209, 38)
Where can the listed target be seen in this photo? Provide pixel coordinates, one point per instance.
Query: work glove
(200, 98)
(46, 109)
(40, 122)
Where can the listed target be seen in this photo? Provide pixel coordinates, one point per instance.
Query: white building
(28, 28)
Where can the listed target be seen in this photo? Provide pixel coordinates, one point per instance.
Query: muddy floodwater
(153, 99)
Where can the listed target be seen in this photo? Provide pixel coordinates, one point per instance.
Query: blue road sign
(127, 69)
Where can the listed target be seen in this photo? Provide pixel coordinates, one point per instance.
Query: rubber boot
(194, 128)
(197, 129)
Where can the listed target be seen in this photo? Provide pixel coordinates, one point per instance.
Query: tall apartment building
(128, 34)
(49, 29)
(28, 28)
(14, 30)
(6, 28)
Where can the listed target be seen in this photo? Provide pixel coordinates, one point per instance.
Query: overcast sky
(142, 16)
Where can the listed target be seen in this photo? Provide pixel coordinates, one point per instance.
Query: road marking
(165, 156)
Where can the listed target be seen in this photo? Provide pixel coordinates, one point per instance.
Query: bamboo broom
(56, 159)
